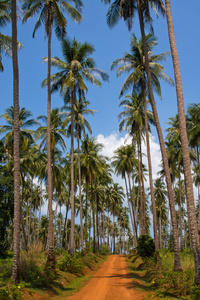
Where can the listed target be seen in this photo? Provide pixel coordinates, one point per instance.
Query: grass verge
(161, 281)
(38, 283)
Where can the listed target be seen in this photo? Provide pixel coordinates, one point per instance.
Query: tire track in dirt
(112, 281)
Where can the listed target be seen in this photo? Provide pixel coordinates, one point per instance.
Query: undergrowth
(162, 280)
(35, 275)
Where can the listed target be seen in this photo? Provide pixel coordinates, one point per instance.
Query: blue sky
(109, 44)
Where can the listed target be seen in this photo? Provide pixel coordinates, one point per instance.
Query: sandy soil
(111, 281)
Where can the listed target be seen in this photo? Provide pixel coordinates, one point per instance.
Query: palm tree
(5, 40)
(193, 125)
(160, 199)
(116, 200)
(58, 132)
(124, 162)
(92, 165)
(80, 124)
(50, 13)
(184, 143)
(78, 65)
(135, 62)
(126, 10)
(134, 121)
(25, 134)
(16, 253)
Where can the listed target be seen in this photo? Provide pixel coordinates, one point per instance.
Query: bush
(178, 283)
(71, 264)
(33, 271)
(13, 293)
(145, 246)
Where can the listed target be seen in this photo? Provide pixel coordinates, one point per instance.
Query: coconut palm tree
(126, 10)
(50, 14)
(124, 162)
(80, 124)
(58, 133)
(78, 65)
(116, 201)
(184, 143)
(16, 253)
(25, 134)
(134, 63)
(5, 40)
(160, 199)
(92, 165)
(133, 121)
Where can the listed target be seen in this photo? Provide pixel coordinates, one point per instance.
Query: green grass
(161, 282)
(70, 275)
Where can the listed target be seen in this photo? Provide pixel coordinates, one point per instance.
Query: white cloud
(113, 141)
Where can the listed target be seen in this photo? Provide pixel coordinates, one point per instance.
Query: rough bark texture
(184, 144)
(72, 175)
(80, 196)
(16, 152)
(177, 262)
(150, 168)
(51, 257)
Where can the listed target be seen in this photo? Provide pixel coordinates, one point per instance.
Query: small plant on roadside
(195, 292)
(13, 292)
(179, 283)
(70, 264)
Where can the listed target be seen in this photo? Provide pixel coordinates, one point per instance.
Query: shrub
(70, 264)
(145, 246)
(178, 283)
(33, 271)
(13, 293)
(195, 292)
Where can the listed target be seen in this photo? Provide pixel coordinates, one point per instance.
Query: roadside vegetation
(37, 282)
(159, 279)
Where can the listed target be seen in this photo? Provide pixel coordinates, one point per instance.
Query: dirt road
(111, 281)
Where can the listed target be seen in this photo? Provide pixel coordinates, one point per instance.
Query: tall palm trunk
(16, 254)
(133, 220)
(108, 230)
(72, 175)
(134, 226)
(184, 144)
(177, 261)
(103, 225)
(114, 229)
(150, 167)
(140, 188)
(143, 191)
(51, 256)
(180, 210)
(80, 196)
(38, 231)
(86, 212)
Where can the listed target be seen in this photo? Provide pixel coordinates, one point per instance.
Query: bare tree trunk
(72, 249)
(80, 196)
(39, 213)
(51, 256)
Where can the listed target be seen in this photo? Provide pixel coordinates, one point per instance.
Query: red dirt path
(111, 281)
